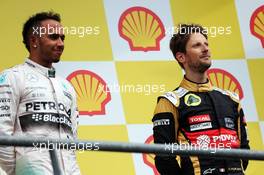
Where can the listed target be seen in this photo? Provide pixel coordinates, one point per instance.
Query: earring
(35, 46)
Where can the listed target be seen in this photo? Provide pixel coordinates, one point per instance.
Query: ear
(33, 41)
(180, 57)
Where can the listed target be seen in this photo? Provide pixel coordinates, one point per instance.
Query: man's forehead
(52, 26)
(197, 37)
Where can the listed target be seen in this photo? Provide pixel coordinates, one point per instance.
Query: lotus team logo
(257, 24)
(224, 80)
(192, 100)
(149, 158)
(92, 92)
(141, 28)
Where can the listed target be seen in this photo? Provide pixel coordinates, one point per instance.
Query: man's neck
(196, 77)
(37, 60)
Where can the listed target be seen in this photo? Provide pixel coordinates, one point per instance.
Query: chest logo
(2, 78)
(192, 100)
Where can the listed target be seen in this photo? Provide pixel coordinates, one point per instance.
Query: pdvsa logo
(141, 28)
(92, 92)
(257, 24)
(149, 158)
(225, 80)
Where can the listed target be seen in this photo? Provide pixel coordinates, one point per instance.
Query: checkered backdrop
(117, 57)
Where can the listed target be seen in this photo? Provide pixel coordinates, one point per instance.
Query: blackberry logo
(203, 140)
(37, 117)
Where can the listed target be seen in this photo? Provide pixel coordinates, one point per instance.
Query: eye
(196, 44)
(56, 36)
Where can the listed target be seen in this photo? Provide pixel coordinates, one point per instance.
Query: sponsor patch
(209, 171)
(5, 100)
(161, 122)
(2, 78)
(5, 115)
(201, 126)
(6, 92)
(203, 140)
(224, 137)
(192, 100)
(199, 118)
(171, 97)
(5, 86)
(68, 95)
(4, 108)
(38, 95)
(229, 123)
(32, 77)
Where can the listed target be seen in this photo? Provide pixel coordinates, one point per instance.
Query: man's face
(197, 56)
(50, 44)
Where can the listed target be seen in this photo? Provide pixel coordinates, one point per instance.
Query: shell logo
(92, 92)
(149, 158)
(141, 28)
(224, 80)
(257, 24)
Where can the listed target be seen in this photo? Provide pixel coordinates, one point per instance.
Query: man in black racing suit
(198, 114)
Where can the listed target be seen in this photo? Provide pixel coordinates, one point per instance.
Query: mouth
(58, 51)
(205, 56)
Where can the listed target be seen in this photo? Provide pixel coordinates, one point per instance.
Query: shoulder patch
(181, 92)
(232, 95)
(174, 96)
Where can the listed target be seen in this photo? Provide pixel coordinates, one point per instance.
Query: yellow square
(218, 16)
(77, 14)
(95, 162)
(149, 80)
(256, 73)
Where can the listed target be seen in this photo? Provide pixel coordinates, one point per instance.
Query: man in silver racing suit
(36, 103)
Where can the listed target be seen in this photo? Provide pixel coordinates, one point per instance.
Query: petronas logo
(192, 100)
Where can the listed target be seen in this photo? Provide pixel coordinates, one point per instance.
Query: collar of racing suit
(196, 87)
(48, 72)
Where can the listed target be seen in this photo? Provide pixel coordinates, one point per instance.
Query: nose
(60, 42)
(205, 48)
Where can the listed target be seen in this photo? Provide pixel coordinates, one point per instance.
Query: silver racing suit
(33, 102)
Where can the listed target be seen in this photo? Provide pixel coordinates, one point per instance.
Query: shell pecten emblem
(92, 92)
(225, 80)
(257, 24)
(141, 28)
(149, 158)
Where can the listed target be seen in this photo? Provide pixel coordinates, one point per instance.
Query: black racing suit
(203, 116)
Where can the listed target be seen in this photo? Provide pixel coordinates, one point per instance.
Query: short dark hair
(181, 37)
(34, 21)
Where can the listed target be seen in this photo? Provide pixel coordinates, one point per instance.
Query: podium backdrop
(118, 59)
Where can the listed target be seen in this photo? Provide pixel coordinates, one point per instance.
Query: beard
(200, 67)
